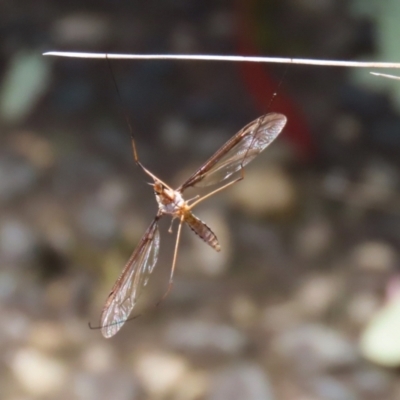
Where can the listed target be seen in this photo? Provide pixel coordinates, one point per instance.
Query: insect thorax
(169, 201)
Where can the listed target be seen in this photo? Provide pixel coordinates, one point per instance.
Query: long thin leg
(125, 114)
(218, 190)
(226, 185)
(128, 122)
(145, 170)
(171, 277)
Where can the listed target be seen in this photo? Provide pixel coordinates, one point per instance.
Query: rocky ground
(302, 301)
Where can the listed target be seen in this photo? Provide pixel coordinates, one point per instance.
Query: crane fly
(230, 158)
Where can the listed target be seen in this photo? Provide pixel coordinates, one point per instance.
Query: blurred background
(303, 301)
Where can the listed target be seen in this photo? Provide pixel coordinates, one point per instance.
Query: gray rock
(160, 373)
(116, 385)
(372, 381)
(98, 222)
(17, 241)
(174, 133)
(200, 336)
(16, 178)
(76, 28)
(329, 388)
(316, 348)
(39, 374)
(314, 238)
(241, 382)
(264, 192)
(374, 256)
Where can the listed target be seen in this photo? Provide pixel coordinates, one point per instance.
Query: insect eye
(158, 188)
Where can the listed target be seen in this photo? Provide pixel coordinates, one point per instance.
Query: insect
(230, 158)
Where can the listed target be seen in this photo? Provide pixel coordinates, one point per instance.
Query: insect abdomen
(202, 230)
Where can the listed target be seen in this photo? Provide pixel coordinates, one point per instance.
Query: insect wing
(238, 151)
(133, 278)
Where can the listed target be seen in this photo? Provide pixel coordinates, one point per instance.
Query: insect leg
(219, 189)
(171, 277)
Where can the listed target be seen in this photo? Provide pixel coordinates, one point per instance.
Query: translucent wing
(238, 151)
(133, 278)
